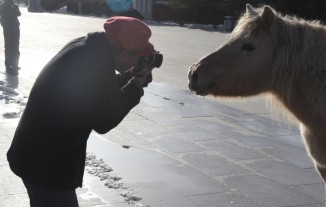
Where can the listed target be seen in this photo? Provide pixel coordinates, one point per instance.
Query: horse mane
(295, 41)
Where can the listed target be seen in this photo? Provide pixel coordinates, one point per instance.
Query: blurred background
(213, 12)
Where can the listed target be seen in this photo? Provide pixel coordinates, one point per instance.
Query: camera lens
(157, 60)
(153, 60)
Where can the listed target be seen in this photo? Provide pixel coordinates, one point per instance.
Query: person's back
(58, 126)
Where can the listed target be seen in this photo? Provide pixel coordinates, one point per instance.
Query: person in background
(78, 91)
(9, 13)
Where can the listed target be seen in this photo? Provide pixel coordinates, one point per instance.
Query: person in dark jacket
(9, 13)
(76, 92)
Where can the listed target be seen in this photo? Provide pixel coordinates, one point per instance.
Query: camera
(154, 60)
(151, 60)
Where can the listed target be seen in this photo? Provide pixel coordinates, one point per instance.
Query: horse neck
(304, 96)
(299, 70)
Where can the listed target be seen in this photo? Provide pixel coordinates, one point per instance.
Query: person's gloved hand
(143, 77)
(148, 80)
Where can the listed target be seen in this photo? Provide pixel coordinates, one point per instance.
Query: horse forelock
(247, 23)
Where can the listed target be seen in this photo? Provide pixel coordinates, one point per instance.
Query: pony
(285, 56)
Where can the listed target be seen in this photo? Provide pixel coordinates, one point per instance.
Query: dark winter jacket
(76, 92)
(9, 15)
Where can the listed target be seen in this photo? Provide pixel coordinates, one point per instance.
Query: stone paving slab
(11, 184)
(285, 173)
(312, 190)
(270, 193)
(214, 165)
(291, 154)
(193, 133)
(160, 194)
(14, 200)
(233, 150)
(173, 144)
(229, 199)
(3, 152)
(251, 139)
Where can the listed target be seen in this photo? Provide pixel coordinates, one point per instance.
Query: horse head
(242, 65)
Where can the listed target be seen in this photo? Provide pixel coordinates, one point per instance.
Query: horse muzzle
(194, 81)
(193, 78)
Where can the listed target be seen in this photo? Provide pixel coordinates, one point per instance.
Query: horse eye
(248, 47)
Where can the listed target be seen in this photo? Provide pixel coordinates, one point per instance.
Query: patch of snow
(98, 168)
(130, 196)
(7, 89)
(88, 195)
(11, 103)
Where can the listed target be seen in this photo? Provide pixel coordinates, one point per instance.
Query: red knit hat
(129, 34)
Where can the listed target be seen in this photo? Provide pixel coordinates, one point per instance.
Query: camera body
(154, 60)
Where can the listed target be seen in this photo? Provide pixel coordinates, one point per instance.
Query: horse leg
(316, 146)
(322, 171)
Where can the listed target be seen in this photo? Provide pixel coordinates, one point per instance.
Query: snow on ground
(98, 168)
(12, 103)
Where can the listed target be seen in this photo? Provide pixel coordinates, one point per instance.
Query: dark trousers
(11, 37)
(41, 197)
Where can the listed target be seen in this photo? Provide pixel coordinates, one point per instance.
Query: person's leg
(7, 47)
(41, 197)
(11, 50)
(15, 46)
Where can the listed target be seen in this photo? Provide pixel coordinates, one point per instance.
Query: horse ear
(250, 9)
(268, 15)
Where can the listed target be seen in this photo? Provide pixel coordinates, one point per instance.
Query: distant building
(162, 2)
(34, 6)
(145, 7)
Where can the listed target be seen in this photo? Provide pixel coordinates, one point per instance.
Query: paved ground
(174, 149)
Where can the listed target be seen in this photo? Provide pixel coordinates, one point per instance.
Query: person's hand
(148, 80)
(142, 76)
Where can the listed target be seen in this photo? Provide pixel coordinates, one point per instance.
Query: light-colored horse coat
(282, 55)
